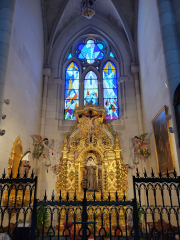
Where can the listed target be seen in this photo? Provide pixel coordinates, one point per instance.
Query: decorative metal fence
(152, 214)
(158, 202)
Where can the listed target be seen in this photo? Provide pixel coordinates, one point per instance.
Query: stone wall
(24, 79)
(153, 75)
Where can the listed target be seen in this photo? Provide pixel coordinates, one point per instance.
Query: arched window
(71, 90)
(110, 91)
(91, 88)
(84, 58)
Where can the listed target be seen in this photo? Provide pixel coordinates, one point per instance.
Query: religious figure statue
(75, 155)
(140, 147)
(91, 167)
(39, 145)
(24, 165)
(90, 124)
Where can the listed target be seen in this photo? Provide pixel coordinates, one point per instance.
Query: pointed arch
(91, 88)
(110, 91)
(71, 90)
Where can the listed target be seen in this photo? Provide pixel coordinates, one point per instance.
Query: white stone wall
(24, 79)
(54, 128)
(153, 76)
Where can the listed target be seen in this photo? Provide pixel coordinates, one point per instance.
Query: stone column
(7, 8)
(46, 74)
(176, 7)
(171, 47)
(135, 72)
(81, 94)
(101, 93)
(172, 57)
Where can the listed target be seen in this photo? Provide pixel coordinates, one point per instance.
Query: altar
(91, 137)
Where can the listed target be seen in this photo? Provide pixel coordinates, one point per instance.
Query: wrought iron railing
(159, 204)
(152, 214)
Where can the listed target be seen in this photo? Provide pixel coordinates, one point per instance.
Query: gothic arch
(60, 15)
(79, 34)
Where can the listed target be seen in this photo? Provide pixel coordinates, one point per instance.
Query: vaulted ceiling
(57, 14)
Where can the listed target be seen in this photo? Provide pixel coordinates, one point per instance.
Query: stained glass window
(110, 91)
(70, 56)
(91, 88)
(111, 55)
(71, 90)
(90, 51)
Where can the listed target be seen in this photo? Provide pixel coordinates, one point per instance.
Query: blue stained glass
(110, 90)
(70, 56)
(71, 90)
(111, 55)
(100, 46)
(90, 51)
(101, 55)
(110, 83)
(89, 84)
(72, 94)
(111, 102)
(75, 84)
(90, 93)
(91, 101)
(71, 104)
(91, 88)
(80, 47)
(112, 113)
(68, 114)
(80, 56)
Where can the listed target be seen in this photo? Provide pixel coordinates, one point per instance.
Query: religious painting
(164, 153)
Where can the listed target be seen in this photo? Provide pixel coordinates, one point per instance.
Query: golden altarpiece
(98, 141)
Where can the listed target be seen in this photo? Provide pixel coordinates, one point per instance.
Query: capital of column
(134, 68)
(46, 72)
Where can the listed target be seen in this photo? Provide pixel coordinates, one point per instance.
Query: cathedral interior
(96, 80)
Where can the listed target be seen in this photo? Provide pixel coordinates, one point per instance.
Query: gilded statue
(91, 167)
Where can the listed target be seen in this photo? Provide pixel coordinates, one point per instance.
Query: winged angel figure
(140, 146)
(40, 144)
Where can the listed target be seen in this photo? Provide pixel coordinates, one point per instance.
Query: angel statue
(140, 147)
(39, 145)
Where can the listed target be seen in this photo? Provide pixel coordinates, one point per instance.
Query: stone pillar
(100, 91)
(46, 74)
(7, 8)
(176, 7)
(81, 94)
(172, 58)
(135, 72)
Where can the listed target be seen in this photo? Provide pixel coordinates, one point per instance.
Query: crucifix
(90, 118)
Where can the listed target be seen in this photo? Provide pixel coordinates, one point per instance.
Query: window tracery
(85, 91)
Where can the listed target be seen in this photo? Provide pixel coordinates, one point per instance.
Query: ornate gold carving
(104, 147)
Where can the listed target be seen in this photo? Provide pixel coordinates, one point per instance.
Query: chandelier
(88, 8)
